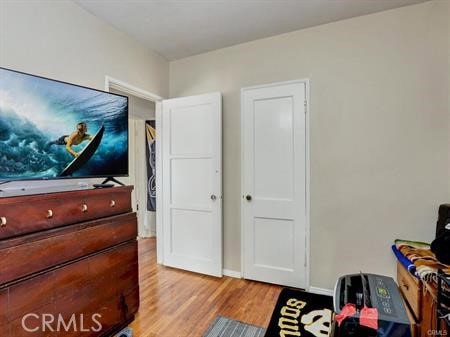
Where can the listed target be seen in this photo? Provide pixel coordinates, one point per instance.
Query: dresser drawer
(28, 214)
(77, 289)
(36, 252)
(411, 289)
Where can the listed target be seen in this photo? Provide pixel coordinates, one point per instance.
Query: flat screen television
(51, 129)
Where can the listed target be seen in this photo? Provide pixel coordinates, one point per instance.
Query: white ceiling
(181, 28)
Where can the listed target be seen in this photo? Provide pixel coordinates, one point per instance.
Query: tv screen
(51, 129)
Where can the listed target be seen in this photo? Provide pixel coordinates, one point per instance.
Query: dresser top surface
(71, 193)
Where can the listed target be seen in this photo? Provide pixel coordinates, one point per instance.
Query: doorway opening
(142, 148)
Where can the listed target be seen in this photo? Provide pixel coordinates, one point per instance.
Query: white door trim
(159, 186)
(307, 172)
(113, 83)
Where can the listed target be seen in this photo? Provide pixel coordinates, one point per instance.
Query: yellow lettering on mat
(284, 333)
(296, 303)
(290, 312)
(286, 323)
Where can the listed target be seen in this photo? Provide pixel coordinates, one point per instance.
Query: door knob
(248, 197)
(213, 197)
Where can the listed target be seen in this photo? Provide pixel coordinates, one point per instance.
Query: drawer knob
(2, 221)
(49, 214)
(84, 208)
(112, 203)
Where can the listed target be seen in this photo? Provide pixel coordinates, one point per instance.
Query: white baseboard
(147, 235)
(231, 273)
(321, 291)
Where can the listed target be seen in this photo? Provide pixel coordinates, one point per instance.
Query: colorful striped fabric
(423, 258)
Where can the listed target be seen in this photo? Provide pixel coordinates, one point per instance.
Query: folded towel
(423, 258)
(414, 244)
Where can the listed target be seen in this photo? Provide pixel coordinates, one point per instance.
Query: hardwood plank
(176, 303)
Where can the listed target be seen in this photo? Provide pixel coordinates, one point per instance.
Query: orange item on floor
(348, 310)
(369, 317)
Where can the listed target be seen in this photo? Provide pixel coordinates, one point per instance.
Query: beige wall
(379, 129)
(448, 84)
(59, 39)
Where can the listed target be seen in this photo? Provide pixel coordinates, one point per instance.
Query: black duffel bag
(441, 248)
(441, 245)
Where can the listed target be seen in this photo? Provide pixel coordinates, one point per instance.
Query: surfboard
(85, 154)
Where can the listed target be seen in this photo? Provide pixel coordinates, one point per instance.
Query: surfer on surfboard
(75, 138)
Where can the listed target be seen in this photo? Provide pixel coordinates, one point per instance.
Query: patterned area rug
(226, 327)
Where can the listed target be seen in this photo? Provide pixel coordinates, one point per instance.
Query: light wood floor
(177, 303)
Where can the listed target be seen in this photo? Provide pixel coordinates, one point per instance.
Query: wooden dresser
(68, 263)
(421, 299)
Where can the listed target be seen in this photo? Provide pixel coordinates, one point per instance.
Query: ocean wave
(25, 151)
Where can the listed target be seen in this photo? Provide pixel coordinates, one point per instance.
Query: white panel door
(274, 183)
(192, 183)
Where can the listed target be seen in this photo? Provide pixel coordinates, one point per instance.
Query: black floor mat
(300, 313)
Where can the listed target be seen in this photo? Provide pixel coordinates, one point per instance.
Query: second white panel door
(274, 183)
